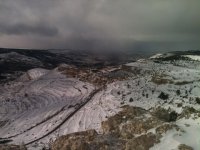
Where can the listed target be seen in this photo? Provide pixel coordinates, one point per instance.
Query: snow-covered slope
(32, 108)
(16, 57)
(192, 57)
(45, 104)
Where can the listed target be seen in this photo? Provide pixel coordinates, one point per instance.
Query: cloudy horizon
(100, 24)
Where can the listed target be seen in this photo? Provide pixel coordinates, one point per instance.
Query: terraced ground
(39, 104)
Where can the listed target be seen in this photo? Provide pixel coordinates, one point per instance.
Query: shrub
(131, 99)
(198, 100)
(178, 92)
(163, 96)
(165, 115)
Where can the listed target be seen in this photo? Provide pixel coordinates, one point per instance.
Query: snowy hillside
(39, 104)
(162, 96)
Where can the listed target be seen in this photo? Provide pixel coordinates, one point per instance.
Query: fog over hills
(14, 62)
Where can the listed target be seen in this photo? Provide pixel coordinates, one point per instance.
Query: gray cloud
(19, 29)
(100, 24)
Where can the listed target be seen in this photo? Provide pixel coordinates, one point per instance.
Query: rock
(165, 115)
(12, 147)
(127, 130)
(107, 142)
(112, 124)
(139, 126)
(184, 147)
(118, 133)
(143, 142)
(165, 127)
(188, 111)
(129, 122)
(74, 141)
(88, 140)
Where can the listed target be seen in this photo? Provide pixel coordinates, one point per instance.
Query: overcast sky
(100, 24)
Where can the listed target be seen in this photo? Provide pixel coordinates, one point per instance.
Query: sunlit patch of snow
(36, 73)
(188, 134)
(193, 57)
(156, 56)
(40, 104)
(13, 56)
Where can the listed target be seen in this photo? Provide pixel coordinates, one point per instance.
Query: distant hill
(14, 62)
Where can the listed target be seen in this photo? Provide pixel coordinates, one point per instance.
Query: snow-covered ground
(37, 105)
(156, 56)
(193, 57)
(16, 57)
(188, 135)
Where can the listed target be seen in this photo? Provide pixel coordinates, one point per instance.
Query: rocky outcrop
(143, 142)
(133, 128)
(88, 140)
(127, 130)
(12, 147)
(184, 147)
(130, 121)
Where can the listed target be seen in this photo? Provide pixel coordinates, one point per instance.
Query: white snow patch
(188, 135)
(156, 56)
(193, 57)
(36, 73)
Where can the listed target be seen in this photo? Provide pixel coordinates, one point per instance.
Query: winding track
(57, 89)
(62, 109)
(69, 116)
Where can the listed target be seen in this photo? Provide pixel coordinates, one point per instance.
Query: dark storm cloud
(19, 29)
(100, 24)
